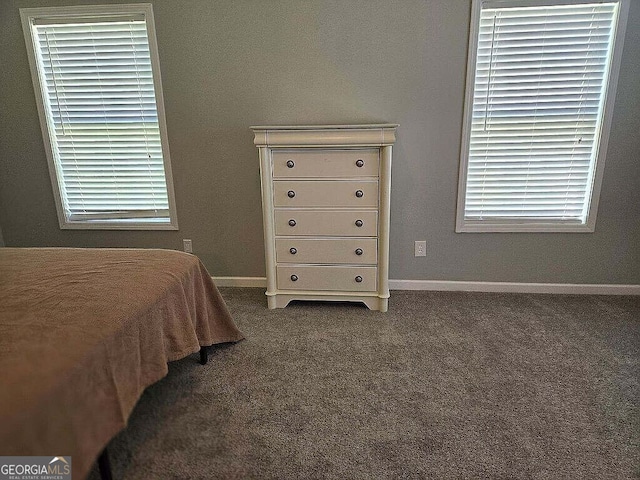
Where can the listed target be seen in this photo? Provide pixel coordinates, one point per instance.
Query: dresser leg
(272, 302)
(376, 303)
(384, 304)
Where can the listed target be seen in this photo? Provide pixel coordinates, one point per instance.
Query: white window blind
(99, 98)
(541, 77)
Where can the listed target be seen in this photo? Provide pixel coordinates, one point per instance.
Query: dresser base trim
(281, 300)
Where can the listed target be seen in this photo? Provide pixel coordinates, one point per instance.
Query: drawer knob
(359, 279)
(292, 223)
(359, 223)
(293, 251)
(358, 251)
(359, 193)
(291, 194)
(290, 163)
(294, 278)
(359, 163)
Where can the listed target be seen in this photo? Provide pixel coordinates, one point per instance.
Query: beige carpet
(444, 385)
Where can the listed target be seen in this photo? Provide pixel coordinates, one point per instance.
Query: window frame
(513, 225)
(146, 10)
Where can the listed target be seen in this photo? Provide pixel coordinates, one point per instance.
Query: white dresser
(325, 204)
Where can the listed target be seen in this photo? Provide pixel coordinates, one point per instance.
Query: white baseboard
(466, 286)
(240, 281)
(513, 287)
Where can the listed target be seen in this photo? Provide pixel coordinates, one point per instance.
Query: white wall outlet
(187, 245)
(421, 248)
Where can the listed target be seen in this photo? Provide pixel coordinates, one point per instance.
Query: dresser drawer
(356, 251)
(296, 277)
(325, 163)
(329, 223)
(325, 193)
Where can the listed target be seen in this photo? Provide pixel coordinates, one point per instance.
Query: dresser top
(325, 135)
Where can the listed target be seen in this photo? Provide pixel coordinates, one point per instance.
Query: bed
(84, 331)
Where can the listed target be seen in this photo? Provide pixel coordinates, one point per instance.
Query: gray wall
(229, 64)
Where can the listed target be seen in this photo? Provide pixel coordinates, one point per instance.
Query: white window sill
(489, 227)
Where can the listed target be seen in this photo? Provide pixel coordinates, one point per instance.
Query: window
(96, 74)
(540, 88)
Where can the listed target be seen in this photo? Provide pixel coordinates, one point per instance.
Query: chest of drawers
(325, 203)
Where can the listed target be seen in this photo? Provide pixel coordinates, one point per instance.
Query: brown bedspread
(84, 331)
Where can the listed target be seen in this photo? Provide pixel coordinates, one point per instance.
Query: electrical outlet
(187, 245)
(421, 248)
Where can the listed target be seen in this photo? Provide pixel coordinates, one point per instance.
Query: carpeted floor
(444, 385)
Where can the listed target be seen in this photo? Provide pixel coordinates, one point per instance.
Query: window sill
(488, 227)
(117, 226)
